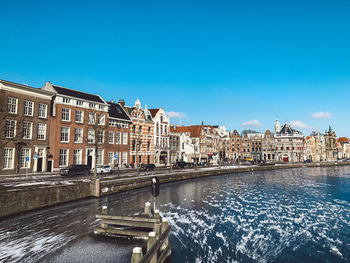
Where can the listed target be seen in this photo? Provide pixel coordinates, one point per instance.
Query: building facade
(161, 136)
(141, 135)
(24, 128)
(78, 127)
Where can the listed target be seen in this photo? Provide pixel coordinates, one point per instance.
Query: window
(140, 129)
(42, 110)
(165, 129)
(66, 100)
(117, 138)
(79, 102)
(12, 105)
(77, 156)
(7, 162)
(91, 105)
(140, 146)
(100, 136)
(41, 131)
(100, 107)
(99, 157)
(148, 146)
(65, 114)
(110, 158)
(92, 118)
(157, 128)
(28, 108)
(10, 128)
(63, 158)
(111, 137)
(24, 154)
(149, 130)
(101, 119)
(78, 135)
(124, 157)
(133, 145)
(125, 138)
(27, 130)
(161, 118)
(79, 116)
(91, 136)
(134, 129)
(161, 129)
(64, 134)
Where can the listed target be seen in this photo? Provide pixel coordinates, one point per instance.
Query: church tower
(277, 126)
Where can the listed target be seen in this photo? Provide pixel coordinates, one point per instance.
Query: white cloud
(252, 123)
(322, 115)
(176, 115)
(300, 125)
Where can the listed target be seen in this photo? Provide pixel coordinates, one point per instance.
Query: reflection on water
(294, 215)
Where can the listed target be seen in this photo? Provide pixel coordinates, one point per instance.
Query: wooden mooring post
(154, 228)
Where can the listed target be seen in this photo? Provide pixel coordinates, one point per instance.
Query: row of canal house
(45, 129)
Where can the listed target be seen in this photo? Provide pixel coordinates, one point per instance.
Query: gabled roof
(194, 130)
(73, 93)
(286, 129)
(115, 110)
(153, 112)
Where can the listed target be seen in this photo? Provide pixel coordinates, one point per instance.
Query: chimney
(121, 102)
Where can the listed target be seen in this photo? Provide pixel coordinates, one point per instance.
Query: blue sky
(241, 64)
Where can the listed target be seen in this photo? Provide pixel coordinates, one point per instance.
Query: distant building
(289, 144)
(331, 145)
(161, 136)
(174, 145)
(268, 147)
(141, 134)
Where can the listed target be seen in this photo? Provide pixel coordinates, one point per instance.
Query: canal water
(294, 215)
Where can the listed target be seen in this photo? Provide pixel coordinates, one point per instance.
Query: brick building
(141, 134)
(78, 127)
(118, 146)
(24, 126)
(235, 146)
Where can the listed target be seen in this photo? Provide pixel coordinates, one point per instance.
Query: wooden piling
(165, 225)
(148, 209)
(136, 255)
(150, 242)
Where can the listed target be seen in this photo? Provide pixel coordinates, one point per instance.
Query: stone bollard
(136, 255)
(165, 225)
(97, 188)
(148, 208)
(157, 229)
(104, 212)
(150, 242)
(156, 214)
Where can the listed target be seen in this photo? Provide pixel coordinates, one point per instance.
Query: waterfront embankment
(19, 198)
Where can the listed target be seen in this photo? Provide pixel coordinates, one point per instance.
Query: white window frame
(101, 119)
(118, 139)
(77, 156)
(63, 162)
(65, 113)
(91, 136)
(90, 120)
(79, 102)
(28, 109)
(99, 157)
(65, 131)
(8, 159)
(99, 133)
(27, 136)
(40, 135)
(25, 152)
(125, 138)
(124, 157)
(66, 100)
(110, 157)
(80, 138)
(42, 108)
(10, 129)
(81, 116)
(111, 137)
(12, 103)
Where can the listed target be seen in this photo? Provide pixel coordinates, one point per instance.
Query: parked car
(104, 169)
(147, 167)
(75, 170)
(180, 164)
(307, 161)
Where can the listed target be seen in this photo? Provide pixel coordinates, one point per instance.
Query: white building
(161, 137)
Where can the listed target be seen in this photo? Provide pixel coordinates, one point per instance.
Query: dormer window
(100, 107)
(79, 102)
(66, 100)
(91, 105)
